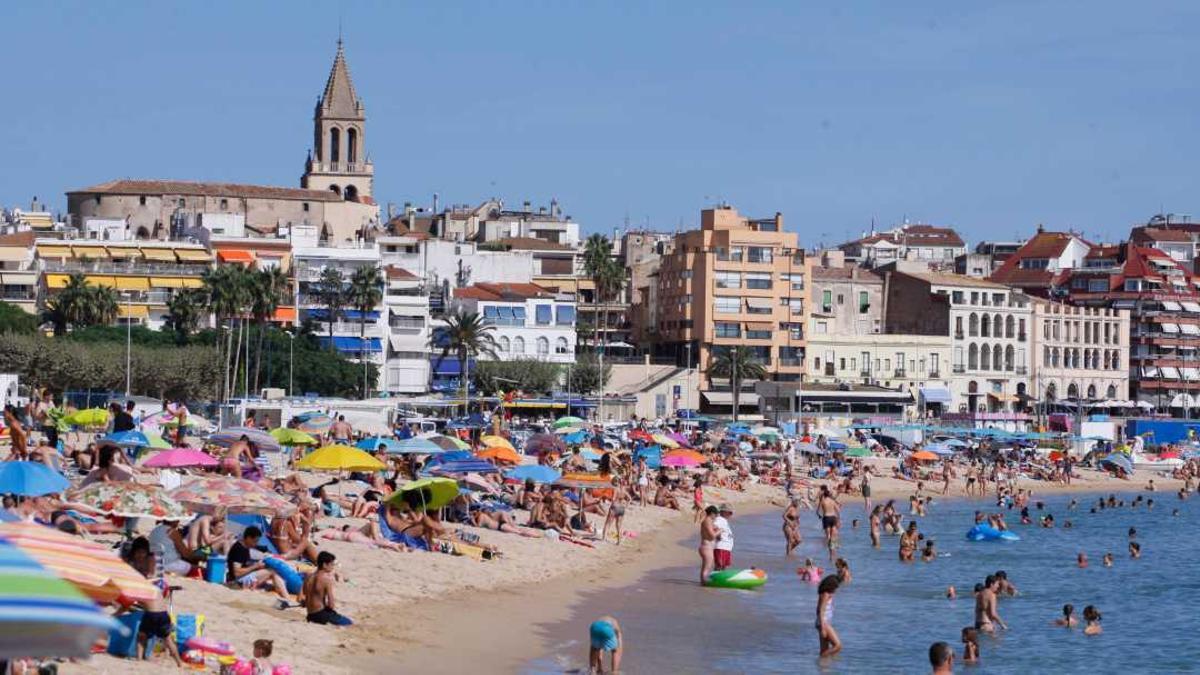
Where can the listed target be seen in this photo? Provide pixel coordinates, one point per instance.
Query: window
(758, 306)
(686, 274)
(758, 280)
(841, 363)
(564, 315)
(518, 345)
(758, 254)
(866, 362)
(841, 299)
(935, 362)
(224, 204)
(727, 329)
(822, 327)
(726, 304)
(853, 363)
(304, 206)
(758, 334)
(728, 279)
(956, 297)
(958, 326)
(505, 344)
(974, 297)
(863, 303)
(560, 346)
(543, 314)
(796, 307)
(543, 346)
(142, 200)
(827, 301)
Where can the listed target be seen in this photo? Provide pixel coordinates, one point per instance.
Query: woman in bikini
(502, 522)
(791, 526)
(616, 510)
(828, 637)
(875, 525)
(908, 543)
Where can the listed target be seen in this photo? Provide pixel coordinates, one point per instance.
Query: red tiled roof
(1146, 233)
(199, 189)
(1043, 245)
(1104, 251)
(399, 273)
(24, 239)
(505, 291)
(917, 235)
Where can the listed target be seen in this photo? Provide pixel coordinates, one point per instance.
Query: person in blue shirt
(605, 636)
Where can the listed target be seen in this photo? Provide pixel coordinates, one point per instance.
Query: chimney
(435, 203)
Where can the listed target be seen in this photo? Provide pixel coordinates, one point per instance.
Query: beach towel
(399, 537)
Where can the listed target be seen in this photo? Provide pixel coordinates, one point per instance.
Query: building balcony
(1022, 370)
(1020, 337)
(129, 268)
(18, 296)
(959, 370)
(958, 335)
(790, 361)
(899, 373)
(933, 374)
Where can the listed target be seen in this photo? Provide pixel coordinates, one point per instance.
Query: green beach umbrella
(90, 417)
(858, 452)
(434, 493)
(292, 437)
(157, 442)
(568, 421)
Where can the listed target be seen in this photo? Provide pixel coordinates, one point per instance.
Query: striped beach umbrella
(41, 615)
(94, 568)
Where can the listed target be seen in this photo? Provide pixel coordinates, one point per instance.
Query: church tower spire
(339, 160)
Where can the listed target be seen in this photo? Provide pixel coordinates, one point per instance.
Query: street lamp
(291, 361)
(128, 343)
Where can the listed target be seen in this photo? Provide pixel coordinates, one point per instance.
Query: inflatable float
(983, 532)
(743, 579)
(291, 577)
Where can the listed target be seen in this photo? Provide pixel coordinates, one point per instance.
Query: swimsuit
(328, 617)
(829, 522)
(156, 624)
(603, 636)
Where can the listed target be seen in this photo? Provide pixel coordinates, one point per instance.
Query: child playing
(698, 500)
(970, 640)
(262, 657)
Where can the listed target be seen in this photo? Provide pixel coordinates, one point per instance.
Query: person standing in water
(605, 636)
(708, 540)
(875, 525)
(986, 616)
(830, 512)
(723, 549)
(829, 641)
(865, 486)
(791, 526)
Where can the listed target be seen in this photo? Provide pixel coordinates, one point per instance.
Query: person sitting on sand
(166, 539)
(970, 640)
(262, 657)
(318, 594)
(1091, 617)
(1067, 620)
(664, 497)
(208, 533)
(247, 573)
(290, 534)
(502, 522)
(604, 635)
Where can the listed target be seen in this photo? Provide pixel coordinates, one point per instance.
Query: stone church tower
(339, 161)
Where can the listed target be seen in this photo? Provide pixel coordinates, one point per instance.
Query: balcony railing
(958, 335)
(1020, 337)
(900, 372)
(18, 296)
(933, 374)
(144, 268)
(791, 361)
(1022, 370)
(958, 370)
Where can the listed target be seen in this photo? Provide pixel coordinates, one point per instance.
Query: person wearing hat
(723, 550)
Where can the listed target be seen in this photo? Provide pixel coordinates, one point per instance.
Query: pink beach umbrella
(680, 439)
(679, 461)
(178, 458)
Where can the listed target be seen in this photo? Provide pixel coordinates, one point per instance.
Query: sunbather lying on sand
(367, 534)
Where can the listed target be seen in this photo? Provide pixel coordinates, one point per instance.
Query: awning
(1171, 305)
(132, 311)
(726, 398)
(447, 367)
(1189, 328)
(1149, 371)
(1003, 398)
(1169, 373)
(176, 282)
(404, 343)
(236, 255)
(1190, 374)
(759, 325)
(1191, 306)
(159, 254)
(1186, 348)
(122, 252)
(935, 394)
(1124, 304)
(759, 303)
(132, 284)
(1170, 327)
(353, 345)
(13, 253)
(54, 251)
(355, 315)
(19, 278)
(56, 280)
(192, 255)
(284, 315)
(89, 252)
(94, 280)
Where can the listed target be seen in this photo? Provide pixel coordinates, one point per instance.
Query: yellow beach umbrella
(665, 441)
(496, 442)
(340, 458)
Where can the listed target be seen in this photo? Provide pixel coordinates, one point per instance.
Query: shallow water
(891, 612)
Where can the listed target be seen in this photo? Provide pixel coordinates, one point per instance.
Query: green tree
(586, 376)
(185, 309)
(80, 304)
(465, 335)
(597, 258)
(364, 295)
(13, 319)
(227, 290)
(528, 375)
(737, 364)
(267, 290)
(331, 291)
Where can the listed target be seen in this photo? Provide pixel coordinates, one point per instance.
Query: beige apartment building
(1079, 352)
(734, 282)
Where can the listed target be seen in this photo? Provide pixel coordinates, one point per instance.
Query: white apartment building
(406, 305)
(918, 364)
(531, 322)
(1080, 352)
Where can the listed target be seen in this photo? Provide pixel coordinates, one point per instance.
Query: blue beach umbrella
(534, 472)
(1120, 461)
(577, 438)
(408, 446)
(375, 444)
(128, 439)
(30, 479)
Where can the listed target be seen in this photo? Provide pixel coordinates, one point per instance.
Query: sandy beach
(444, 614)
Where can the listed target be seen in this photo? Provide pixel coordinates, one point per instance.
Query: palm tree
(225, 288)
(186, 308)
(80, 304)
(465, 335)
(100, 306)
(609, 280)
(365, 294)
(267, 289)
(737, 364)
(332, 293)
(597, 259)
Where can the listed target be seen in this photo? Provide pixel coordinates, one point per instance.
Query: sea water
(892, 611)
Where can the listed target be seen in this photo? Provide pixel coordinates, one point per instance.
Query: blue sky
(991, 117)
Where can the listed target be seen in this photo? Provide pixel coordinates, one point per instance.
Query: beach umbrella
(939, 449)
(664, 440)
(535, 472)
(500, 454)
(541, 444)
(129, 500)
(157, 442)
(445, 442)
(428, 494)
(680, 439)
(858, 451)
(42, 615)
(30, 479)
(924, 456)
(238, 495)
(377, 443)
(1120, 461)
(566, 431)
(837, 446)
(641, 435)
(463, 466)
(956, 443)
(89, 417)
(678, 461)
(697, 457)
(584, 480)
(317, 424)
(127, 439)
(576, 438)
(496, 442)
(261, 439)
(415, 446)
(569, 421)
(93, 568)
(179, 458)
(290, 437)
(340, 458)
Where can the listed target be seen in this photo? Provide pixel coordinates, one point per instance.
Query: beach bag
(187, 626)
(125, 646)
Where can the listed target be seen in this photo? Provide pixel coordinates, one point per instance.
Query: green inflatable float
(743, 579)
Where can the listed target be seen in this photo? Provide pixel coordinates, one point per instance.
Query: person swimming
(1108, 560)
(970, 640)
(809, 571)
(1091, 617)
(1135, 550)
(1081, 560)
(928, 554)
(1067, 620)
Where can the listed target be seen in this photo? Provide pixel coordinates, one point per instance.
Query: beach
(446, 614)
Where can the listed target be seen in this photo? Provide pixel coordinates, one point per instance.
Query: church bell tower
(338, 161)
